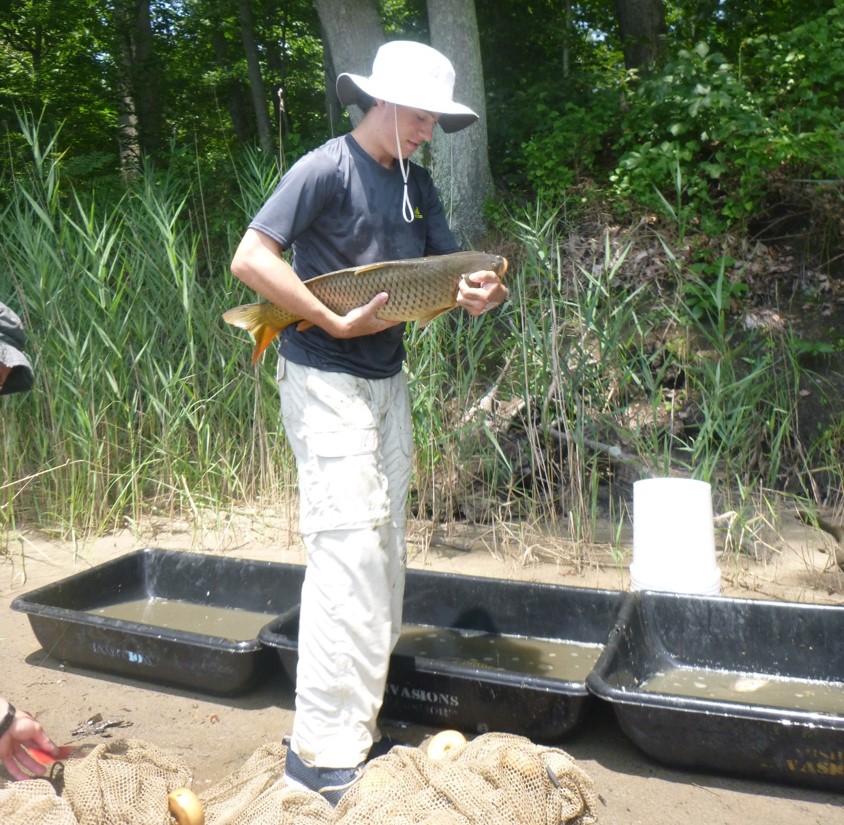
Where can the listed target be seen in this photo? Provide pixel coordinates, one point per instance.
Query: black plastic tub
(82, 620)
(794, 650)
(514, 618)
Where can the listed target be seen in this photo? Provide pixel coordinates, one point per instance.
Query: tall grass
(618, 378)
(144, 397)
(638, 376)
(544, 411)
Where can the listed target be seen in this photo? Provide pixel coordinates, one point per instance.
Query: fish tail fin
(259, 321)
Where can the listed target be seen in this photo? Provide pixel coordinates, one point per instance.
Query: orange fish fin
(47, 759)
(259, 321)
(426, 319)
(303, 325)
(264, 336)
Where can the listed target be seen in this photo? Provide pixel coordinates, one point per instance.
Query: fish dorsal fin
(362, 270)
(352, 270)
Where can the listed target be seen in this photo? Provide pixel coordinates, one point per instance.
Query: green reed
(547, 409)
(631, 378)
(143, 396)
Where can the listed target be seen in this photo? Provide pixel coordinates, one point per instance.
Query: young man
(355, 200)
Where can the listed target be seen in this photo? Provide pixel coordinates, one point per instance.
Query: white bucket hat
(409, 74)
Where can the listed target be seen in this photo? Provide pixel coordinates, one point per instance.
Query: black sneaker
(331, 783)
(384, 745)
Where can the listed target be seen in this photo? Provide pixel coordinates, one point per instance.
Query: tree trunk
(461, 162)
(256, 80)
(641, 24)
(233, 91)
(128, 137)
(139, 115)
(352, 32)
(147, 81)
(567, 42)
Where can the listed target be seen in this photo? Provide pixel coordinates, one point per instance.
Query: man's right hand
(363, 320)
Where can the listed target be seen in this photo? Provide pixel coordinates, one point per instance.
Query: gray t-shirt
(337, 207)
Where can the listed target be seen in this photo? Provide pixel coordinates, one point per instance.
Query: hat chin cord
(406, 206)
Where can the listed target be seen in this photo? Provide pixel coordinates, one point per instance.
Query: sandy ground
(216, 736)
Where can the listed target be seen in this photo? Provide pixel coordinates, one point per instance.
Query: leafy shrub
(684, 124)
(568, 146)
(735, 135)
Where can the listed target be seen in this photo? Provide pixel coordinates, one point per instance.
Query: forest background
(666, 178)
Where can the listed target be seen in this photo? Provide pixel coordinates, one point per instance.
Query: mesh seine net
(496, 779)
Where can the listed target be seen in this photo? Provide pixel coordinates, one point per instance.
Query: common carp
(419, 290)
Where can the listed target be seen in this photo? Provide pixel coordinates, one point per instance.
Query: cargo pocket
(342, 484)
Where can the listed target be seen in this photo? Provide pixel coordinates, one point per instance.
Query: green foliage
(60, 58)
(450, 362)
(728, 26)
(679, 137)
(404, 19)
(709, 294)
(735, 135)
(566, 148)
(746, 111)
(143, 396)
(51, 62)
(670, 382)
(746, 393)
(741, 388)
(536, 61)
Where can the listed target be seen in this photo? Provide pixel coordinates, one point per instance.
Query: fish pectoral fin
(426, 319)
(303, 325)
(257, 320)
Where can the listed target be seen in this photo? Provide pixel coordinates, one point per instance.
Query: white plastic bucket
(674, 537)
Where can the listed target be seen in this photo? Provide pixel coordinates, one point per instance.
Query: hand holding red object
(19, 734)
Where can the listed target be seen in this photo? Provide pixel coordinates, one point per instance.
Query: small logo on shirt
(417, 213)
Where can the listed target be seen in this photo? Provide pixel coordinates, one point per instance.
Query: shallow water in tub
(227, 623)
(552, 658)
(748, 688)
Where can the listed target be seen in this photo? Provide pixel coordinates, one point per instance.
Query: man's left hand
(480, 292)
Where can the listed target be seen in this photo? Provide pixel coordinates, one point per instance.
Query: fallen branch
(612, 450)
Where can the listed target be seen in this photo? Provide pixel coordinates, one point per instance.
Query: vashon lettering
(421, 695)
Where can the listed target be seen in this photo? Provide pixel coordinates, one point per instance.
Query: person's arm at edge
(24, 731)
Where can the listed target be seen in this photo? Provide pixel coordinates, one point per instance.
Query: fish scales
(409, 292)
(416, 286)
(419, 290)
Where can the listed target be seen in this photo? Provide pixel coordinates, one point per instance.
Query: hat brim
(354, 88)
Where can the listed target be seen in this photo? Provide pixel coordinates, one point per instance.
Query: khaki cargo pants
(352, 440)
